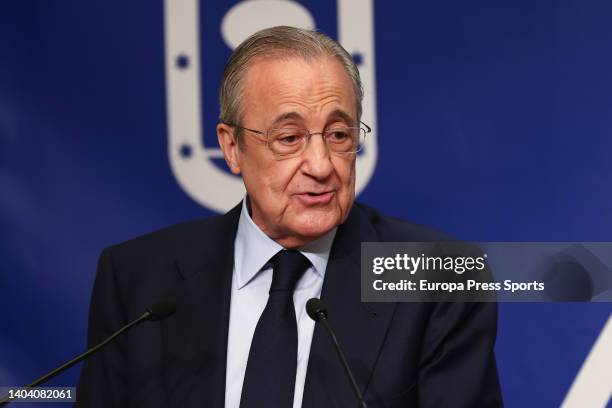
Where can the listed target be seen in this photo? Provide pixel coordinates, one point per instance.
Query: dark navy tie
(269, 380)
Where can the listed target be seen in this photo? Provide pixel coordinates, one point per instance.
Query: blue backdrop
(493, 123)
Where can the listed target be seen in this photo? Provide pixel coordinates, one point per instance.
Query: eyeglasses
(289, 142)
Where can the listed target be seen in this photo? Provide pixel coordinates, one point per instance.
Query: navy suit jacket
(402, 354)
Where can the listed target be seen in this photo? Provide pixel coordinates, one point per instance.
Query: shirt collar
(253, 249)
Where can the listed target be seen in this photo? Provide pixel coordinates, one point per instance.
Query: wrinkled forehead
(283, 78)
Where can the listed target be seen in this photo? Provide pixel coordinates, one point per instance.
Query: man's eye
(289, 139)
(338, 135)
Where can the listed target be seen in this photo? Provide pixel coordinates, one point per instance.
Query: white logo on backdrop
(592, 386)
(191, 161)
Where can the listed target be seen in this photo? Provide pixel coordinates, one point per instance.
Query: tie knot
(288, 267)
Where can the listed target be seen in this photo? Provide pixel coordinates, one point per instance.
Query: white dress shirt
(251, 282)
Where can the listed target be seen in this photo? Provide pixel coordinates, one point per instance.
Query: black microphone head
(316, 309)
(161, 310)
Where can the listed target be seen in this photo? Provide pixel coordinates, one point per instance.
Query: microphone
(160, 310)
(317, 310)
(157, 311)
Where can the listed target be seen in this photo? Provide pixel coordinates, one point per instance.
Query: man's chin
(316, 224)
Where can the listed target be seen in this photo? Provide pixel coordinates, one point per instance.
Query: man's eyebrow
(339, 113)
(286, 116)
(335, 114)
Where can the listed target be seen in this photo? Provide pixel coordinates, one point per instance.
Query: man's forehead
(294, 76)
(289, 58)
(293, 67)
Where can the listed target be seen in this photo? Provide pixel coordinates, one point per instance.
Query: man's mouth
(310, 198)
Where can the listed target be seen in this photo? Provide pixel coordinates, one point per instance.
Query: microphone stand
(158, 311)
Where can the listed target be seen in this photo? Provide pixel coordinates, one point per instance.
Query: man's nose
(317, 159)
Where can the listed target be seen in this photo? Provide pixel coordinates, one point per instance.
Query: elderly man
(290, 126)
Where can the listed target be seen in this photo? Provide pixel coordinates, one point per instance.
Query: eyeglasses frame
(367, 130)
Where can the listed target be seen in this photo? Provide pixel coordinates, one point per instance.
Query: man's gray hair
(281, 41)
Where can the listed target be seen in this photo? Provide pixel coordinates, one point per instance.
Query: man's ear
(229, 146)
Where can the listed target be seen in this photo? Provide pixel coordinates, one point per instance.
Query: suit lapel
(195, 340)
(360, 327)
